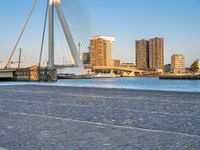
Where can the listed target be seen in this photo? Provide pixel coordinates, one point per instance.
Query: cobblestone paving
(64, 118)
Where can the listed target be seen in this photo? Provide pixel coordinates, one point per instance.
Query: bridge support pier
(51, 35)
(72, 46)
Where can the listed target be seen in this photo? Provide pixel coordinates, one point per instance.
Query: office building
(156, 54)
(142, 54)
(100, 51)
(85, 57)
(178, 63)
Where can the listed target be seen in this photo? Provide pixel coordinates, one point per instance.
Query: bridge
(59, 8)
(6, 75)
(119, 69)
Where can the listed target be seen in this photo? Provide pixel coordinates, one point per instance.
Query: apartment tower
(156, 54)
(142, 54)
(150, 54)
(178, 63)
(100, 50)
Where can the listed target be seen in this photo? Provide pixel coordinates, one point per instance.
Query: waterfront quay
(180, 77)
(69, 118)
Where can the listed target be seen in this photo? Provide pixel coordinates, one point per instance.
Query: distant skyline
(177, 21)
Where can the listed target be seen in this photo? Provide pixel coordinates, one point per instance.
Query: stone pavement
(67, 118)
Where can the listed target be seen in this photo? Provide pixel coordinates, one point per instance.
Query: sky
(177, 21)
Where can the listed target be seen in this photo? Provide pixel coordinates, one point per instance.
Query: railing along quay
(180, 77)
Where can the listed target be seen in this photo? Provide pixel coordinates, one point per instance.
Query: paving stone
(48, 117)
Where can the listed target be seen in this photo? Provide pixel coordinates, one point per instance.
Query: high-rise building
(178, 63)
(150, 54)
(142, 54)
(156, 54)
(100, 50)
(85, 57)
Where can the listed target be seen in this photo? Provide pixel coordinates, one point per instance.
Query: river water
(143, 83)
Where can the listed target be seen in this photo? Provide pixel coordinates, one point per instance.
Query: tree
(194, 67)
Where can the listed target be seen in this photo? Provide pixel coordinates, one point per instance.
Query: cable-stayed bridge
(72, 23)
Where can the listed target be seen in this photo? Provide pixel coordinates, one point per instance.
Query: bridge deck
(36, 117)
(6, 74)
(130, 69)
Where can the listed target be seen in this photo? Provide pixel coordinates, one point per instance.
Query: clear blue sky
(178, 21)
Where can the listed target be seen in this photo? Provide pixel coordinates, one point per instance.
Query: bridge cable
(75, 31)
(78, 35)
(43, 36)
(84, 16)
(25, 25)
(78, 24)
(84, 22)
(62, 40)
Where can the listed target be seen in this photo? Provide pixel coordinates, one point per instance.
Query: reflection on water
(145, 83)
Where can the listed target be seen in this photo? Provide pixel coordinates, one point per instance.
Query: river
(141, 83)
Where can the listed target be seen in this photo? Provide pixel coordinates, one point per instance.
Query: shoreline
(97, 88)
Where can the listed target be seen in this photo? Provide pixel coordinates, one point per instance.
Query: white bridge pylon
(78, 69)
